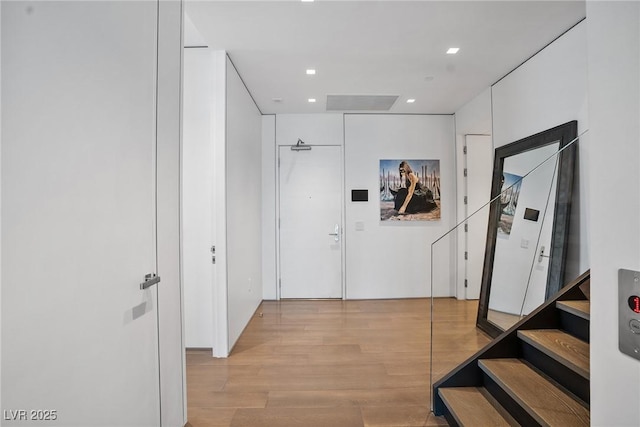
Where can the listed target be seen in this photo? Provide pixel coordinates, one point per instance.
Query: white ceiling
(376, 47)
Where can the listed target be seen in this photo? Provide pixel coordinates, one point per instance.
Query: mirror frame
(559, 241)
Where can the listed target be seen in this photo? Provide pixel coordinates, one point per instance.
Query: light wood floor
(332, 364)
(502, 320)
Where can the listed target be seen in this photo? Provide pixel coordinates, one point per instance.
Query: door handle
(149, 280)
(336, 233)
(542, 255)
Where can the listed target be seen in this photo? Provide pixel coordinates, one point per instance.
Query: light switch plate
(629, 312)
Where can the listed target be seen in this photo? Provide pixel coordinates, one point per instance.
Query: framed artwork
(409, 190)
(508, 202)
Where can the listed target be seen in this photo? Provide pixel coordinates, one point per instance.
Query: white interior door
(479, 166)
(310, 222)
(79, 335)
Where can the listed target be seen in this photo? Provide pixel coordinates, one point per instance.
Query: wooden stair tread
(542, 400)
(469, 406)
(577, 308)
(564, 348)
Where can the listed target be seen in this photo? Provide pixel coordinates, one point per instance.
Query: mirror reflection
(528, 227)
(519, 278)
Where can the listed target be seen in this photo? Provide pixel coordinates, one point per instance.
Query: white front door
(310, 185)
(79, 335)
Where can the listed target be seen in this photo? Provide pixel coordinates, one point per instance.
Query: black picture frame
(564, 134)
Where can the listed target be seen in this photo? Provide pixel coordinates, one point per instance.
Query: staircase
(534, 374)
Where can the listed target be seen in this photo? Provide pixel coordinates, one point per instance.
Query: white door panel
(479, 173)
(310, 222)
(79, 336)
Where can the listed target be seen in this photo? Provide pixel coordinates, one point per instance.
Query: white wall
(548, 90)
(474, 118)
(392, 259)
(372, 256)
(269, 273)
(243, 204)
(0, 204)
(614, 116)
(222, 202)
(313, 129)
(197, 198)
(218, 130)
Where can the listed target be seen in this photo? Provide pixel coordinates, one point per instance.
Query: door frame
(342, 218)
(463, 211)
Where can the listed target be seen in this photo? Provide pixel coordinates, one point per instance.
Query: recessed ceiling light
(453, 50)
(312, 100)
(276, 99)
(429, 78)
(311, 71)
(306, 1)
(410, 101)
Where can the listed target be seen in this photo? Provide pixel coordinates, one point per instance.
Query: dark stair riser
(574, 325)
(515, 410)
(450, 419)
(563, 376)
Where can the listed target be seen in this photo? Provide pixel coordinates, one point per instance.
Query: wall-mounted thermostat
(359, 195)
(629, 312)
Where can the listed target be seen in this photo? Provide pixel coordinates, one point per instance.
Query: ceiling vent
(360, 102)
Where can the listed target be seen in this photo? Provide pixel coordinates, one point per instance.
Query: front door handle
(149, 280)
(336, 233)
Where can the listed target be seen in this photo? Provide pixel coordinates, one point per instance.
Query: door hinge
(465, 200)
(464, 150)
(278, 222)
(466, 283)
(466, 228)
(464, 171)
(278, 161)
(280, 283)
(466, 255)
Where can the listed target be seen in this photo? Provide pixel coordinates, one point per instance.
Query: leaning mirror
(528, 226)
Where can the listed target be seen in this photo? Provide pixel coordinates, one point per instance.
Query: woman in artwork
(412, 197)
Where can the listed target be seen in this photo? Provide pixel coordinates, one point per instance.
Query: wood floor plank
(416, 396)
(326, 382)
(365, 369)
(566, 349)
(210, 417)
(294, 417)
(206, 372)
(545, 402)
(226, 399)
(400, 416)
(401, 367)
